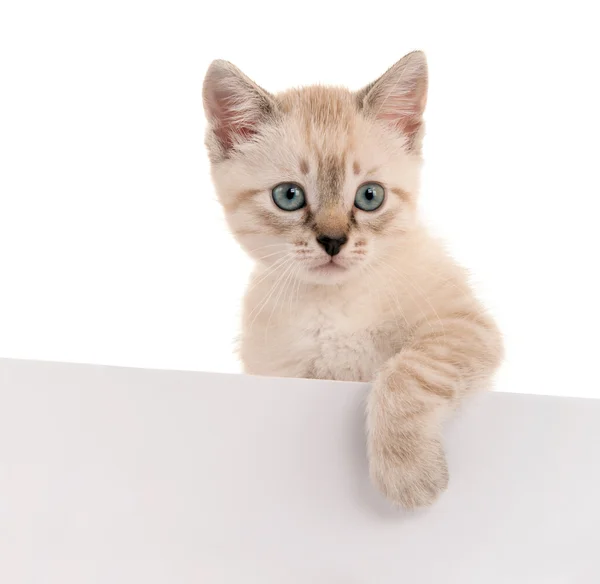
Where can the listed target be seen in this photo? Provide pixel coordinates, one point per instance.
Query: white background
(113, 249)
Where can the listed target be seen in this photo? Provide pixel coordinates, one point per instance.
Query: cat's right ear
(234, 105)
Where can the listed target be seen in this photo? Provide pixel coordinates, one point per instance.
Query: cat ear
(399, 96)
(234, 105)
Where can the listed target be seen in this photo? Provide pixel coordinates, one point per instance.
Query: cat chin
(328, 274)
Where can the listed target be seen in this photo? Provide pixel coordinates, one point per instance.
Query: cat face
(320, 182)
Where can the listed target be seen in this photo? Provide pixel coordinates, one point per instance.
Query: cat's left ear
(235, 107)
(399, 96)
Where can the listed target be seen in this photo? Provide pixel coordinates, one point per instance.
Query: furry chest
(345, 347)
(346, 337)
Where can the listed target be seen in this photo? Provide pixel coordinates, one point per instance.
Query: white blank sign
(123, 476)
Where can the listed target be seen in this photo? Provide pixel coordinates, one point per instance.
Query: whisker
(280, 280)
(270, 255)
(276, 265)
(265, 246)
(271, 291)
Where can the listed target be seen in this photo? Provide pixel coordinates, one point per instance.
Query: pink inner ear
(399, 98)
(411, 126)
(402, 110)
(234, 120)
(229, 133)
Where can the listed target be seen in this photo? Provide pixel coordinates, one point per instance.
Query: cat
(319, 185)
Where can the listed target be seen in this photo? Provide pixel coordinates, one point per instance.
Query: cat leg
(448, 355)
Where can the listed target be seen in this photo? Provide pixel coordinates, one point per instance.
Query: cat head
(318, 181)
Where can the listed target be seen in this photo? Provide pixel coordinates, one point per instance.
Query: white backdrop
(112, 246)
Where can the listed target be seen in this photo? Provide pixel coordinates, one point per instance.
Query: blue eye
(289, 197)
(369, 197)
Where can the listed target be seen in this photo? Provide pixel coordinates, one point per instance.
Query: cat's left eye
(289, 197)
(369, 197)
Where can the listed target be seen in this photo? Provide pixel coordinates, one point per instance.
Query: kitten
(320, 185)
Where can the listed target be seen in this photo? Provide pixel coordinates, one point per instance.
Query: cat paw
(410, 472)
(406, 458)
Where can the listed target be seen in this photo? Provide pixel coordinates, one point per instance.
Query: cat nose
(332, 245)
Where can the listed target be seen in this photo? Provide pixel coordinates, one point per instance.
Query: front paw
(406, 458)
(411, 472)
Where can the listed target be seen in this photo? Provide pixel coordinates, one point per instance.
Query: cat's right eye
(289, 196)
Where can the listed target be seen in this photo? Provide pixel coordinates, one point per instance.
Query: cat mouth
(330, 267)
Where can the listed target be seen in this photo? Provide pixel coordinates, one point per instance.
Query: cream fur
(397, 311)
